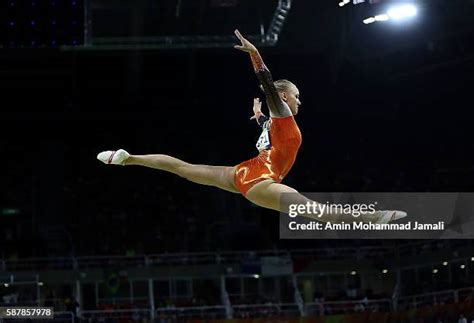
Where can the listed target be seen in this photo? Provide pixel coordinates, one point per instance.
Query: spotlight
(402, 11)
(353, 272)
(394, 13)
(435, 271)
(382, 17)
(462, 266)
(6, 285)
(369, 20)
(385, 271)
(343, 3)
(256, 276)
(445, 263)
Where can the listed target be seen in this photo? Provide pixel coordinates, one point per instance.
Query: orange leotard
(279, 142)
(273, 163)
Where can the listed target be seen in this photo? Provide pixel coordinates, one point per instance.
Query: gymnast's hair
(281, 85)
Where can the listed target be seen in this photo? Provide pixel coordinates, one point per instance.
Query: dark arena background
(386, 107)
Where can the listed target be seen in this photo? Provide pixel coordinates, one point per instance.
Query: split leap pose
(258, 179)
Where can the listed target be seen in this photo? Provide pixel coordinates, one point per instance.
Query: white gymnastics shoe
(113, 157)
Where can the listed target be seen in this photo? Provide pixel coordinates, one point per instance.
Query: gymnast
(257, 179)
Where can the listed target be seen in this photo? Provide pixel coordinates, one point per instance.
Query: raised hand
(245, 46)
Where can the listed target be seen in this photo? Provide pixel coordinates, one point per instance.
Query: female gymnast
(258, 179)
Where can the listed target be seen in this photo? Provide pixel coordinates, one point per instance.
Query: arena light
(435, 271)
(6, 285)
(256, 276)
(40, 283)
(402, 11)
(462, 266)
(382, 17)
(445, 263)
(472, 258)
(385, 271)
(395, 13)
(369, 20)
(353, 272)
(354, 2)
(343, 3)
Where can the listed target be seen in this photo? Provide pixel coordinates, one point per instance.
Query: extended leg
(269, 194)
(218, 176)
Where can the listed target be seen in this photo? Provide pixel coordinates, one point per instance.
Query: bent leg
(218, 176)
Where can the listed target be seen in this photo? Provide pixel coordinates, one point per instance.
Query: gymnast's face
(292, 97)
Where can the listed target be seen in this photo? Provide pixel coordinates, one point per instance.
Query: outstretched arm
(276, 106)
